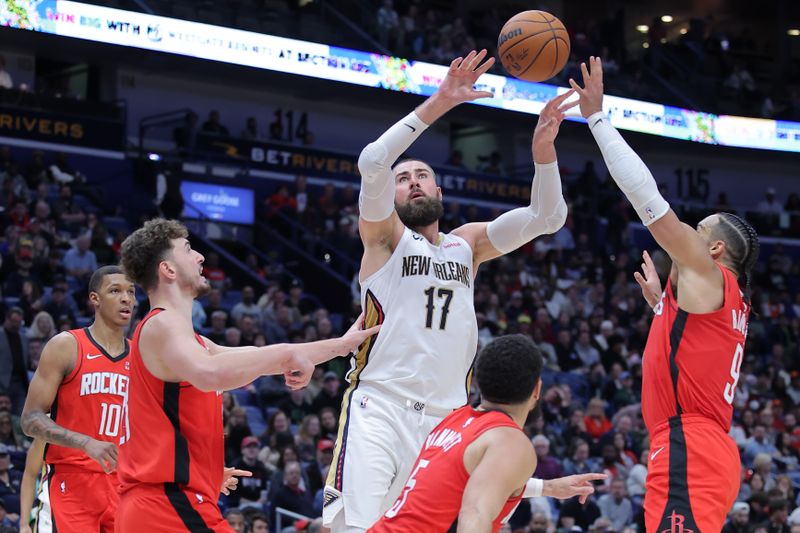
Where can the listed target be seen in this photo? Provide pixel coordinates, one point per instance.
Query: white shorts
(380, 436)
(43, 514)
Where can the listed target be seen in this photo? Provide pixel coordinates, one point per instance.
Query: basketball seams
(524, 38)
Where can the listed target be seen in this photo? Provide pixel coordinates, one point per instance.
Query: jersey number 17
(447, 294)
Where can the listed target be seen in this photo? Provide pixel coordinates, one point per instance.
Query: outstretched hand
(591, 95)
(551, 117)
(567, 487)
(457, 86)
(230, 479)
(648, 281)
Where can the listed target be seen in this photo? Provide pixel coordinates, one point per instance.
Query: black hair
(741, 243)
(508, 369)
(96, 281)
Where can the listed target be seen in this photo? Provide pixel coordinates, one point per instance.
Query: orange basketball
(533, 46)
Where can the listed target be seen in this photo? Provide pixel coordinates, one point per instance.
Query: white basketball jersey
(429, 336)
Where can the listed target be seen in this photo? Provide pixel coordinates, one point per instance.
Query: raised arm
(506, 464)
(547, 211)
(186, 360)
(59, 358)
(33, 466)
(379, 226)
(683, 244)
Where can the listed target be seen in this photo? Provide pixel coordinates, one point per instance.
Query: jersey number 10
(447, 294)
(110, 419)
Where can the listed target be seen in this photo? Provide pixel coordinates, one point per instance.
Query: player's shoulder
(62, 341)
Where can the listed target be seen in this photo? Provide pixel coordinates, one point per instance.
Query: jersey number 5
(447, 294)
(412, 482)
(736, 365)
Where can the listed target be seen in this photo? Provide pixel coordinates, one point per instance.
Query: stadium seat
(255, 420)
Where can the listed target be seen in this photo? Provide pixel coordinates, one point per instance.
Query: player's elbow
(372, 161)
(556, 218)
(28, 421)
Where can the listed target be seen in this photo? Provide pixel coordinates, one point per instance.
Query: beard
(415, 214)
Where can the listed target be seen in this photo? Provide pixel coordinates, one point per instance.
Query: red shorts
(693, 477)
(82, 501)
(168, 508)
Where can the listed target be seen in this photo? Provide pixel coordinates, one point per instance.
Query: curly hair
(146, 247)
(508, 369)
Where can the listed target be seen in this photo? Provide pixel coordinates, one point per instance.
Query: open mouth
(417, 194)
(125, 312)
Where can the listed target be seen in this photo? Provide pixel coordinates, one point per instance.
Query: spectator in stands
(42, 328)
(493, 164)
(456, 160)
(14, 360)
(59, 306)
(247, 330)
(388, 24)
(579, 461)
(247, 306)
(198, 315)
(739, 519)
(330, 395)
(757, 444)
(547, 466)
(214, 273)
(259, 524)
(290, 495)
(18, 184)
(80, 261)
(250, 131)
(69, 214)
(233, 337)
(329, 420)
(615, 506)
(575, 513)
(281, 202)
(278, 329)
(213, 126)
(296, 406)
(10, 478)
(185, 136)
(770, 205)
(277, 427)
(251, 489)
(19, 215)
(5, 78)
(235, 519)
(596, 422)
(329, 207)
(236, 429)
(22, 271)
(308, 433)
(218, 325)
(778, 516)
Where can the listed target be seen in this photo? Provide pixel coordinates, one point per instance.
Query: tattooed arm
(59, 358)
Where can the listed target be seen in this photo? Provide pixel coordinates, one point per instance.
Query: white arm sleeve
(376, 199)
(628, 170)
(546, 214)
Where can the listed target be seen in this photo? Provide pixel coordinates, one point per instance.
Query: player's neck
(110, 337)
(171, 297)
(430, 232)
(518, 413)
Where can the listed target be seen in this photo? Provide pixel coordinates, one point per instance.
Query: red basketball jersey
(431, 499)
(90, 400)
(176, 433)
(691, 362)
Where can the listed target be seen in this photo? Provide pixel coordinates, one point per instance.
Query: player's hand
(567, 487)
(457, 86)
(591, 95)
(550, 119)
(648, 281)
(230, 479)
(298, 372)
(104, 453)
(356, 336)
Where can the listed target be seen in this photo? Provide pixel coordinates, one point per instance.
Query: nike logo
(89, 356)
(412, 128)
(653, 455)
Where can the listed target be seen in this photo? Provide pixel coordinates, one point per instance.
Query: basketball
(533, 46)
